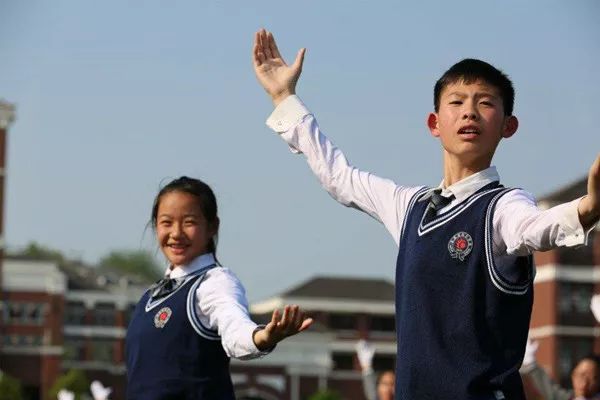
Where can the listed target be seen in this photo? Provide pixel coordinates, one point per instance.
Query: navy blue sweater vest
(462, 315)
(171, 355)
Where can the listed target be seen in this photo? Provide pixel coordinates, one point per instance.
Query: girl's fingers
(305, 324)
(285, 317)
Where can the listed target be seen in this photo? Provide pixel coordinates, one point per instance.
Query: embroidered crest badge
(460, 245)
(162, 317)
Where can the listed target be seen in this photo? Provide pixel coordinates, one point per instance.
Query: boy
(464, 275)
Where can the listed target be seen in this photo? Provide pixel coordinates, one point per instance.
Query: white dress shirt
(519, 227)
(222, 306)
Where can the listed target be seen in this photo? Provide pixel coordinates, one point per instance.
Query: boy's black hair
(471, 70)
(206, 200)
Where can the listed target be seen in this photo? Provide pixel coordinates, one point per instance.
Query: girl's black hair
(206, 200)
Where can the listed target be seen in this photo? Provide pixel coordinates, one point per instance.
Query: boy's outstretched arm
(275, 76)
(589, 206)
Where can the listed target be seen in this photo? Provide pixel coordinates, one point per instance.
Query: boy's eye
(456, 102)
(487, 103)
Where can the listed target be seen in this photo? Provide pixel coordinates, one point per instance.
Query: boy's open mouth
(469, 130)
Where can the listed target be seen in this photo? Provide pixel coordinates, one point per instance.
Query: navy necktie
(436, 203)
(165, 286)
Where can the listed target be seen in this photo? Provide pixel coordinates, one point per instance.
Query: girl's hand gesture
(275, 76)
(291, 322)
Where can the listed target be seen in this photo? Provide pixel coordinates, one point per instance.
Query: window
(343, 361)
(102, 350)
(342, 321)
(384, 362)
(574, 303)
(75, 313)
(24, 313)
(105, 314)
(383, 323)
(74, 348)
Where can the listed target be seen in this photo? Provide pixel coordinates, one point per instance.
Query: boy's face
(470, 122)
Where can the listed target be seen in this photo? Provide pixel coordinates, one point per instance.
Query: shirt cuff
(572, 231)
(287, 114)
(254, 351)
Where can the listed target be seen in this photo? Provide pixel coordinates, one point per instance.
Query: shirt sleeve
(520, 227)
(222, 306)
(380, 198)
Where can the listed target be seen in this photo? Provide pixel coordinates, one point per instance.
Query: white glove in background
(99, 392)
(530, 350)
(365, 352)
(595, 306)
(65, 394)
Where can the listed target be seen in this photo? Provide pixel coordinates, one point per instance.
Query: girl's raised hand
(292, 321)
(275, 76)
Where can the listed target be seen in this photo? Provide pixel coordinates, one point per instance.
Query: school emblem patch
(162, 317)
(460, 245)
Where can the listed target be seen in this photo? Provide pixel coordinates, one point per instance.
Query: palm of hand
(274, 74)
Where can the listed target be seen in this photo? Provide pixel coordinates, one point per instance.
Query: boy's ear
(511, 124)
(432, 124)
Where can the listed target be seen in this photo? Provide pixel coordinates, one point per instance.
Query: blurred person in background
(376, 387)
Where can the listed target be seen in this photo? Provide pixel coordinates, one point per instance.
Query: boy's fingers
(265, 44)
(299, 60)
(273, 46)
(257, 56)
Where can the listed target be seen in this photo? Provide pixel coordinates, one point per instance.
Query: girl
(187, 325)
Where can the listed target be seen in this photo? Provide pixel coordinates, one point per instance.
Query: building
(59, 316)
(565, 280)
(345, 310)
(7, 117)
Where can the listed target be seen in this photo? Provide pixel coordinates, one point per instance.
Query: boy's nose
(470, 115)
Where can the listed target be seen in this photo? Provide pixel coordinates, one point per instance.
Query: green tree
(74, 380)
(325, 395)
(10, 388)
(38, 252)
(135, 262)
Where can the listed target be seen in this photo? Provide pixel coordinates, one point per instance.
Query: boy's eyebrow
(477, 94)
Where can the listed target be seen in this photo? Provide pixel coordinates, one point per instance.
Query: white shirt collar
(469, 185)
(200, 262)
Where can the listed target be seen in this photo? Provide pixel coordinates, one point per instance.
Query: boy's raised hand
(275, 76)
(292, 321)
(589, 206)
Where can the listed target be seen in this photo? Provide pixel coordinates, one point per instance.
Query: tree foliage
(10, 388)
(325, 395)
(74, 380)
(135, 262)
(37, 251)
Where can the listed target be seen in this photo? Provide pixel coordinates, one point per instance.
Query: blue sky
(116, 97)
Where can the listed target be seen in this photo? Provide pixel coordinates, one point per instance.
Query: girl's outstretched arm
(292, 321)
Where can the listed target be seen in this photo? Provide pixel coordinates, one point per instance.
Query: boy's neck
(456, 170)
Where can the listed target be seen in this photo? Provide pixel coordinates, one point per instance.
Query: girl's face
(181, 229)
